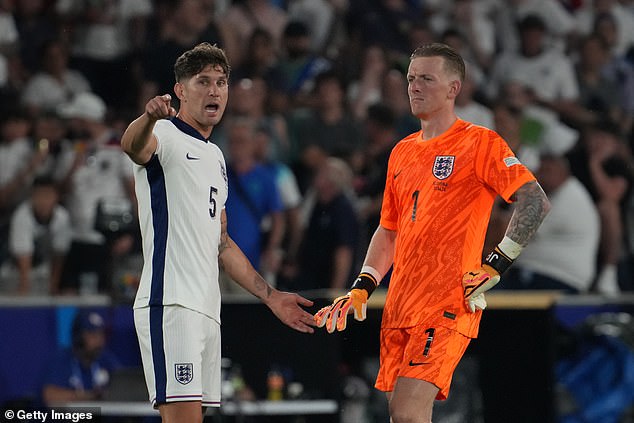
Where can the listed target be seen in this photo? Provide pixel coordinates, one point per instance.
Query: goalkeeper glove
(477, 303)
(476, 282)
(336, 314)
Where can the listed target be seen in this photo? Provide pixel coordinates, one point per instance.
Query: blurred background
(318, 97)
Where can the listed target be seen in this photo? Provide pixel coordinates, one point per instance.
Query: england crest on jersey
(443, 166)
(184, 372)
(223, 172)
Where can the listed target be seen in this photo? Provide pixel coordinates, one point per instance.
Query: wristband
(365, 281)
(510, 248)
(498, 260)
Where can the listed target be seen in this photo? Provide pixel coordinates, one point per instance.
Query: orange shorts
(426, 353)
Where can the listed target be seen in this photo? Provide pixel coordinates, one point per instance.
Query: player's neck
(437, 125)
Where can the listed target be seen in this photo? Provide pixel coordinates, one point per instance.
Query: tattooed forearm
(531, 207)
(224, 236)
(260, 285)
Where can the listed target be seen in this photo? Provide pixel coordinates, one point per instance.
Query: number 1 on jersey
(415, 198)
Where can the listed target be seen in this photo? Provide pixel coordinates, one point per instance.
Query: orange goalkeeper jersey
(438, 197)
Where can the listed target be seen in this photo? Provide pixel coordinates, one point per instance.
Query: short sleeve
(499, 168)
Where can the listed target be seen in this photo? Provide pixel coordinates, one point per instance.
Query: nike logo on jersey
(192, 157)
(417, 363)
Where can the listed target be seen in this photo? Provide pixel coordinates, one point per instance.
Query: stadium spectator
(547, 72)
(619, 69)
(249, 99)
(181, 25)
(323, 18)
(371, 167)
(260, 61)
(600, 96)
(365, 90)
(81, 372)
(509, 122)
(471, 23)
(243, 17)
(298, 66)
(100, 177)
(50, 130)
(386, 23)
(36, 25)
(604, 164)
(540, 126)
(19, 162)
(290, 196)
(253, 195)
(8, 29)
(106, 37)
(558, 22)
(621, 31)
(55, 83)
(562, 255)
(327, 129)
(328, 252)
(39, 238)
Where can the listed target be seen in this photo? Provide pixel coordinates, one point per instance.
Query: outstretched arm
(378, 261)
(285, 305)
(380, 252)
(137, 140)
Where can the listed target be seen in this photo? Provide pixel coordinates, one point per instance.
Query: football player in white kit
(181, 188)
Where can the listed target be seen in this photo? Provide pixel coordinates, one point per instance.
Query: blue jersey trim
(158, 354)
(187, 128)
(158, 201)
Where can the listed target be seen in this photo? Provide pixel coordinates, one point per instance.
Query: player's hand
(287, 307)
(336, 314)
(477, 303)
(159, 107)
(477, 282)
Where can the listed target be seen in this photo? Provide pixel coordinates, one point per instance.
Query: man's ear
(454, 88)
(179, 90)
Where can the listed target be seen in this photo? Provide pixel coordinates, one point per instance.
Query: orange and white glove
(336, 314)
(476, 282)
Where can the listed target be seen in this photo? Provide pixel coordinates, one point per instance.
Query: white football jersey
(181, 193)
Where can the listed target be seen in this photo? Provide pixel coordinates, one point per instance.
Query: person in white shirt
(563, 254)
(55, 84)
(181, 188)
(546, 71)
(94, 175)
(39, 238)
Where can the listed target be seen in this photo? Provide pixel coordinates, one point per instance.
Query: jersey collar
(187, 128)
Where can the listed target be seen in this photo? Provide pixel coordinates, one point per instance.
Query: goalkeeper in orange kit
(439, 192)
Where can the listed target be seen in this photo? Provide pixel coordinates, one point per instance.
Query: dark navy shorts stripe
(158, 354)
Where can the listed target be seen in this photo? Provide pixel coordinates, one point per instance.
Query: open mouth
(212, 108)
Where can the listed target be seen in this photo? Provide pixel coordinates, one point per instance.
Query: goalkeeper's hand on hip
(476, 282)
(335, 315)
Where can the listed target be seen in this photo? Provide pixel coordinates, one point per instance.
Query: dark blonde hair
(195, 60)
(453, 60)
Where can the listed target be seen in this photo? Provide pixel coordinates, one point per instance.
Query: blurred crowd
(318, 97)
